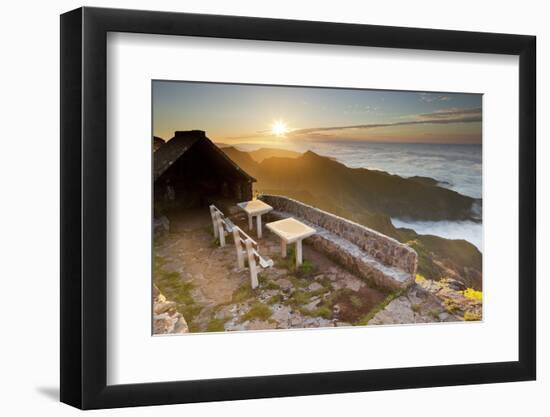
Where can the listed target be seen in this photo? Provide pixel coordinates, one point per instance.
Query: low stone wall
(387, 251)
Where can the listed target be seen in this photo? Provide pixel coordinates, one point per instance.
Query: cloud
(430, 97)
(453, 115)
(437, 117)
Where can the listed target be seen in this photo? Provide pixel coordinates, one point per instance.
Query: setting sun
(279, 128)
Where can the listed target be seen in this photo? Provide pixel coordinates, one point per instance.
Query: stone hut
(190, 171)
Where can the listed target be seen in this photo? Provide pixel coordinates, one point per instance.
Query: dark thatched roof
(182, 141)
(157, 142)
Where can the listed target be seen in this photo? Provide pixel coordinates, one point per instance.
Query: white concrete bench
(222, 225)
(244, 244)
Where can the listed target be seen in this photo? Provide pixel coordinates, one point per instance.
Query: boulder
(161, 226)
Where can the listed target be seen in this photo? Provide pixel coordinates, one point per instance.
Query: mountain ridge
(371, 198)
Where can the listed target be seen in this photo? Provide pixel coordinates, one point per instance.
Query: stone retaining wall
(387, 251)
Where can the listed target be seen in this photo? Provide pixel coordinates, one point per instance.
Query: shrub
(257, 311)
(451, 306)
(306, 268)
(272, 286)
(216, 325)
(298, 282)
(299, 298)
(262, 279)
(243, 293)
(266, 283)
(473, 294)
(471, 316)
(276, 299)
(420, 279)
(322, 311)
(190, 312)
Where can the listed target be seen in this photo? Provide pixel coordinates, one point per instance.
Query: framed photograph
(258, 208)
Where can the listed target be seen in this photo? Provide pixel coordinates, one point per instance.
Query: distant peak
(311, 154)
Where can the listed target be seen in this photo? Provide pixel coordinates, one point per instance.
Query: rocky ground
(166, 318)
(203, 284)
(430, 301)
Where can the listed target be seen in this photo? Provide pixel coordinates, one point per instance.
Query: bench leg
(252, 264)
(250, 222)
(221, 233)
(214, 220)
(239, 248)
(283, 248)
(298, 253)
(259, 225)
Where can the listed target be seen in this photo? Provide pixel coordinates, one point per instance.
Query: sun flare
(279, 128)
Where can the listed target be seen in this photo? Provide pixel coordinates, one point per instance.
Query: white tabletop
(291, 230)
(255, 207)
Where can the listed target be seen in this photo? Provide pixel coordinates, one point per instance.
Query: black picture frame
(84, 207)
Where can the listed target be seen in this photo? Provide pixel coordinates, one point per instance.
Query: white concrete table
(291, 230)
(255, 208)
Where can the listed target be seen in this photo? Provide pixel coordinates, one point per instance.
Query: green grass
(306, 268)
(216, 325)
(275, 299)
(334, 295)
(430, 248)
(266, 283)
(262, 279)
(289, 262)
(243, 293)
(175, 289)
(302, 296)
(257, 311)
(325, 282)
(298, 282)
(415, 308)
(320, 291)
(190, 312)
(363, 321)
(299, 298)
(322, 311)
(272, 286)
(325, 307)
(183, 293)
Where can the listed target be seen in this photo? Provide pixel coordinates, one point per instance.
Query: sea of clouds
(457, 167)
(470, 231)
